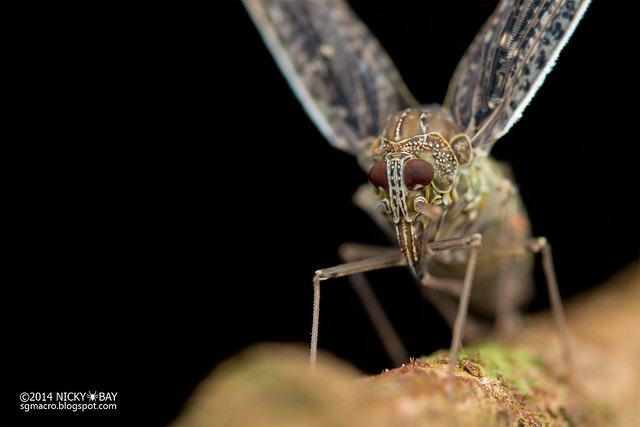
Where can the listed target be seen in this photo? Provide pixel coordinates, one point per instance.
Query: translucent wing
(507, 62)
(337, 69)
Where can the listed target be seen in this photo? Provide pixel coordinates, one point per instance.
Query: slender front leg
(391, 342)
(452, 286)
(473, 242)
(463, 308)
(394, 259)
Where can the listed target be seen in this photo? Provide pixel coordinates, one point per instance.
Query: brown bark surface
(521, 380)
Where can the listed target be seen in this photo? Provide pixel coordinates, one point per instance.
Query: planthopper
(455, 213)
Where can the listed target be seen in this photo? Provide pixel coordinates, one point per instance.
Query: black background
(166, 201)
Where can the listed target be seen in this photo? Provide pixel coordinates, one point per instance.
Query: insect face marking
(401, 175)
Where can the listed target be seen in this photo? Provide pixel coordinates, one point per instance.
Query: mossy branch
(520, 380)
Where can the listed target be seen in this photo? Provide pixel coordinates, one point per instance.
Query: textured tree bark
(521, 380)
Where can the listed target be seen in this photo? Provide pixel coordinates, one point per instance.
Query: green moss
(516, 367)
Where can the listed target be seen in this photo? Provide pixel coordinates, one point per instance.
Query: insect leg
(390, 340)
(444, 293)
(473, 242)
(390, 259)
(458, 326)
(364, 198)
(505, 307)
(541, 245)
(447, 306)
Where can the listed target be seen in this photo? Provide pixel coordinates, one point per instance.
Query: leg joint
(537, 244)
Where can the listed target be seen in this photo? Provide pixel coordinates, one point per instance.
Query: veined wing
(506, 64)
(344, 79)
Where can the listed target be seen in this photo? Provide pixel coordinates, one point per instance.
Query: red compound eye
(378, 175)
(417, 173)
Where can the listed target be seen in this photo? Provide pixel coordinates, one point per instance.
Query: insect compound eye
(378, 175)
(417, 173)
